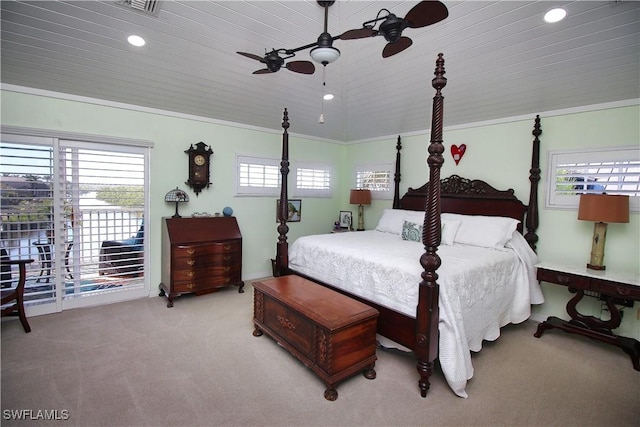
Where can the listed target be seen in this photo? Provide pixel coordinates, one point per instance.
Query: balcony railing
(79, 250)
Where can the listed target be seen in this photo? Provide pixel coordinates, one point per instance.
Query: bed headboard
(468, 197)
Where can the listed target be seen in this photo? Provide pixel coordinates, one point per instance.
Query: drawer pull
(227, 247)
(191, 262)
(191, 285)
(563, 280)
(190, 273)
(286, 323)
(226, 269)
(227, 279)
(226, 257)
(191, 251)
(623, 291)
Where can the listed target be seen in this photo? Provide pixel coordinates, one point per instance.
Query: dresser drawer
(225, 260)
(615, 289)
(566, 279)
(186, 275)
(294, 329)
(225, 247)
(185, 287)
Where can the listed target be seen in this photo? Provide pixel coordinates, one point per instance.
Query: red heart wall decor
(458, 152)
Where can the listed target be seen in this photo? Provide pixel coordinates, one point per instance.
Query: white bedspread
(481, 289)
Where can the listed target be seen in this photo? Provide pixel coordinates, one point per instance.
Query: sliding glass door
(77, 207)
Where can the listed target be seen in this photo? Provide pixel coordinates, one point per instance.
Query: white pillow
(414, 216)
(449, 230)
(391, 221)
(484, 231)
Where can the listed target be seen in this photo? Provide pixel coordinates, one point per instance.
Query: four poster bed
(440, 306)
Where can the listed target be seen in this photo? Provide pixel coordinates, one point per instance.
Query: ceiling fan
(423, 14)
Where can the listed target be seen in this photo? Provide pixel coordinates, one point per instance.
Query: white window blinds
(257, 176)
(375, 177)
(313, 180)
(611, 171)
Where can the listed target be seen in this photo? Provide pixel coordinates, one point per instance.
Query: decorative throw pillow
(411, 231)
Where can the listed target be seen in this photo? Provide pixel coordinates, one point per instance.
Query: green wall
(501, 155)
(498, 153)
(169, 168)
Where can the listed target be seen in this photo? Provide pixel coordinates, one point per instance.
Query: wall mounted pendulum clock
(199, 160)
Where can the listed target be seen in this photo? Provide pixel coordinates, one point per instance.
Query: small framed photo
(294, 210)
(346, 219)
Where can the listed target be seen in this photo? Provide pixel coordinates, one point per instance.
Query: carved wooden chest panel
(332, 334)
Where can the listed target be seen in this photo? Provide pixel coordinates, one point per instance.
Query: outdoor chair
(123, 257)
(12, 301)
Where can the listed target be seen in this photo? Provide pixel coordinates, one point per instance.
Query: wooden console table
(612, 288)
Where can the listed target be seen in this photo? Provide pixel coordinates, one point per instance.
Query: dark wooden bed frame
(453, 194)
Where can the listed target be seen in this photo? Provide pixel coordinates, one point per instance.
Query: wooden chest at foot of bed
(330, 333)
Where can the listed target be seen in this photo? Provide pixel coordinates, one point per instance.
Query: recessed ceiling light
(328, 97)
(136, 40)
(555, 15)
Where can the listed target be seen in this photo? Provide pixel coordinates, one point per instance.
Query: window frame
(313, 192)
(256, 191)
(555, 200)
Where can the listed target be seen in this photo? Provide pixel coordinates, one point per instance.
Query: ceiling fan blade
(263, 71)
(252, 56)
(397, 47)
(302, 67)
(426, 13)
(360, 33)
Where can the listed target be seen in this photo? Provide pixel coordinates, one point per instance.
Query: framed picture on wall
(346, 219)
(294, 210)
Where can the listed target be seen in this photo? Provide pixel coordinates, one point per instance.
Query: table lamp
(602, 209)
(177, 196)
(360, 198)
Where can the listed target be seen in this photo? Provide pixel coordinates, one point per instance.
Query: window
(377, 178)
(611, 171)
(62, 200)
(257, 176)
(313, 180)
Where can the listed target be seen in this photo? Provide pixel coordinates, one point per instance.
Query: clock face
(199, 160)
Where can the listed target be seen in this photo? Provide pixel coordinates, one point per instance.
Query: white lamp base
(360, 218)
(597, 246)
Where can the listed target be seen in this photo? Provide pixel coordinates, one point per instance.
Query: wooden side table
(612, 287)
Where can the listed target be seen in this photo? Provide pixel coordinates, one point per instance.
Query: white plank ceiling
(502, 60)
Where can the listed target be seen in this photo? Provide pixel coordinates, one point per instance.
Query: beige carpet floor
(139, 363)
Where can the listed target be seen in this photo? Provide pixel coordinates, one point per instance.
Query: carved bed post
(396, 177)
(282, 251)
(427, 312)
(534, 179)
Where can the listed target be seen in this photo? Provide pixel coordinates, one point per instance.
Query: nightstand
(613, 288)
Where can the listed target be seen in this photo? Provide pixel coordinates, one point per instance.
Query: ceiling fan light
(327, 96)
(324, 55)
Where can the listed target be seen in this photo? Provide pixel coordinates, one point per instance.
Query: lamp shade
(360, 197)
(604, 208)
